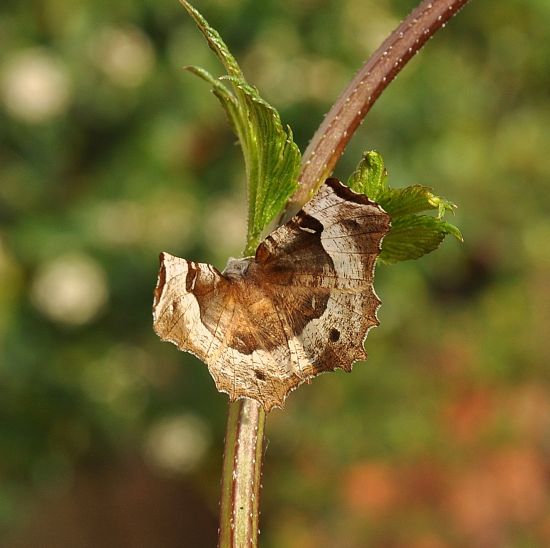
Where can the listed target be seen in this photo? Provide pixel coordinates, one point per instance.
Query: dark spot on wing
(350, 223)
(304, 220)
(259, 375)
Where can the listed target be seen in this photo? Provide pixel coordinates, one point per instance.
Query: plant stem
(245, 424)
(349, 110)
(241, 480)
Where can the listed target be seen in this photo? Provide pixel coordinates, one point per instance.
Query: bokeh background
(110, 153)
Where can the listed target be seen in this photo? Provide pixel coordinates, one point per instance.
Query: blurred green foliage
(109, 154)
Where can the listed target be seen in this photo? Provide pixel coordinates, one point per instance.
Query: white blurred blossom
(70, 289)
(34, 85)
(124, 55)
(175, 445)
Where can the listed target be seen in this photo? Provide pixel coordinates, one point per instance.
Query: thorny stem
(347, 113)
(239, 513)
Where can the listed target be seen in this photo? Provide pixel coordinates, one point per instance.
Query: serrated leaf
(452, 230)
(272, 159)
(411, 237)
(413, 199)
(370, 176)
(217, 45)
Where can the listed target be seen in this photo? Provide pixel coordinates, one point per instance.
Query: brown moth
(301, 306)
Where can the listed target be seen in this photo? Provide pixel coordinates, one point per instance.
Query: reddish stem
(241, 478)
(349, 110)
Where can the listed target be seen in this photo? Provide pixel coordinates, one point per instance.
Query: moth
(301, 306)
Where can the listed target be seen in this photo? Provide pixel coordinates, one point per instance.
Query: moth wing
(320, 268)
(229, 326)
(177, 313)
(303, 306)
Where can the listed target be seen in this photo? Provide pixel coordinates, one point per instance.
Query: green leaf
(413, 199)
(411, 235)
(217, 45)
(272, 159)
(370, 176)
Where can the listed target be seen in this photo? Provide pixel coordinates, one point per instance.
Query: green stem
(241, 480)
